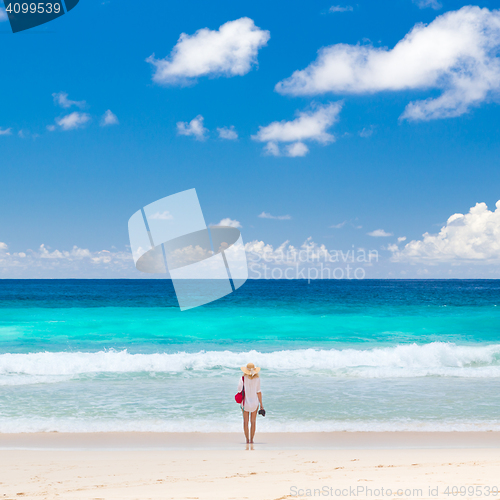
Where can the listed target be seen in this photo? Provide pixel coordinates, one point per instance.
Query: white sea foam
(411, 360)
(23, 424)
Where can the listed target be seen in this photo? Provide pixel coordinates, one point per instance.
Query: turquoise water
(98, 355)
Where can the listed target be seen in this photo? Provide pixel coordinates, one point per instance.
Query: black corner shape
(24, 15)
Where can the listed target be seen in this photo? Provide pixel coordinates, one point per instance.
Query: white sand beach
(219, 466)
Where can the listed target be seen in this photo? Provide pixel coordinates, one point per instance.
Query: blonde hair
(255, 375)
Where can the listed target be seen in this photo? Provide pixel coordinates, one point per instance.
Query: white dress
(252, 387)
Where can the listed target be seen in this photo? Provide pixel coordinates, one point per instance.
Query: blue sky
(370, 168)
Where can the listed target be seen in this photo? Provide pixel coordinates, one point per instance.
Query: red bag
(240, 396)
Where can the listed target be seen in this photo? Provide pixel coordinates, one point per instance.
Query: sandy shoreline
(122, 466)
(257, 474)
(235, 441)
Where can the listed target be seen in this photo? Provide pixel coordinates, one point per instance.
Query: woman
(252, 400)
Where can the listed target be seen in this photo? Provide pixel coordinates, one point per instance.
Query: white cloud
(473, 237)
(5, 131)
(308, 255)
(455, 262)
(189, 254)
(401, 238)
(73, 120)
(227, 133)
(51, 128)
(309, 125)
(229, 51)
(230, 223)
(296, 149)
(77, 262)
(166, 215)
(267, 215)
(271, 148)
(56, 254)
(194, 127)
(339, 8)
(366, 132)
(24, 134)
(3, 15)
(379, 233)
(61, 99)
(45, 262)
(109, 118)
(456, 53)
(423, 4)
(352, 222)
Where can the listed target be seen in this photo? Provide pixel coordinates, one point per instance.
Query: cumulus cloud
(267, 215)
(73, 120)
(190, 254)
(61, 99)
(229, 51)
(267, 252)
(109, 118)
(76, 252)
(5, 131)
(227, 133)
(264, 260)
(166, 215)
(271, 148)
(230, 223)
(456, 53)
(77, 262)
(45, 262)
(311, 125)
(473, 237)
(423, 4)
(296, 149)
(339, 8)
(194, 128)
(379, 233)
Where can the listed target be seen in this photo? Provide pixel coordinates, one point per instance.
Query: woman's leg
(246, 414)
(253, 421)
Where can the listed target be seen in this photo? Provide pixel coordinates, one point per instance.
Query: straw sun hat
(250, 369)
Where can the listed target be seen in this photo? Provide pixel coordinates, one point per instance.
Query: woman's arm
(259, 395)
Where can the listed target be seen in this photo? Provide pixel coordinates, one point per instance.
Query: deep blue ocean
(118, 355)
